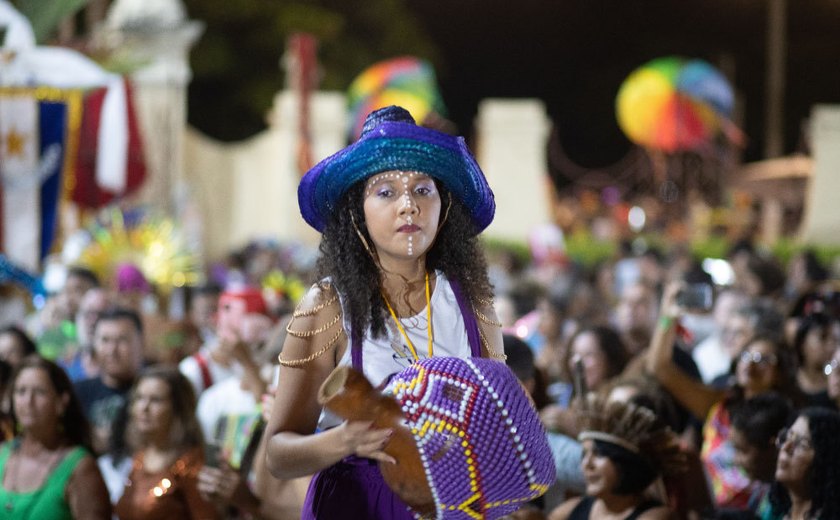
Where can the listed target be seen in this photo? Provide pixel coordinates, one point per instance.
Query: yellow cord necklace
(428, 320)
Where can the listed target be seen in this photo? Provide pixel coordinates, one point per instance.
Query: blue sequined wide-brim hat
(391, 140)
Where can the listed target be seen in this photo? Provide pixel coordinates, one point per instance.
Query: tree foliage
(237, 64)
(45, 15)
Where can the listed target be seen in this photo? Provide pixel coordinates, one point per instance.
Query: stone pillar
(822, 219)
(512, 153)
(157, 34)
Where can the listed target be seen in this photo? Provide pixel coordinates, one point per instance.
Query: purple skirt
(352, 488)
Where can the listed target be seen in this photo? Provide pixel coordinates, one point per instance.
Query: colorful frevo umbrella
(675, 104)
(406, 81)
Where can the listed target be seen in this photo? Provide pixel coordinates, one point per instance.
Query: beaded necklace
(428, 320)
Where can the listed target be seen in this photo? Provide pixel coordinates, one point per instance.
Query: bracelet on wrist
(666, 322)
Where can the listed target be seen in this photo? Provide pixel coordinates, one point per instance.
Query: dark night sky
(575, 54)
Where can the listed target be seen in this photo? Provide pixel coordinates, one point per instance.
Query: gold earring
(446, 213)
(362, 237)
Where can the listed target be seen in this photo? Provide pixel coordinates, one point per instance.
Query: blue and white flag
(36, 127)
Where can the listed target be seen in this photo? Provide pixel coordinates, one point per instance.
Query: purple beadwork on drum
(483, 447)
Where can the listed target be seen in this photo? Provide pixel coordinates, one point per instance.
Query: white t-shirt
(382, 357)
(226, 398)
(190, 367)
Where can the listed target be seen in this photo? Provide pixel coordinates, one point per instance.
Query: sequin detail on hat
(393, 143)
(483, 447)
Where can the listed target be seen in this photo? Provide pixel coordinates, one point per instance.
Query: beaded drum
(480, 440)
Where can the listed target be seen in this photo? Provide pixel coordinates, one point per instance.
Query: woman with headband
(401, 278)
(625, 449)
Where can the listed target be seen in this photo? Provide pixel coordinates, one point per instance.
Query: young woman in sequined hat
(401, 278)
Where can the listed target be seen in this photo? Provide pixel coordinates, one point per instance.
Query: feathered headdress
(634, 428)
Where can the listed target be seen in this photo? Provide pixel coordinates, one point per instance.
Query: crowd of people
(655, 404)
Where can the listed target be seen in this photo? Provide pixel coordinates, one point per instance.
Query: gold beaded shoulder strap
(333, 323)
(483, 318)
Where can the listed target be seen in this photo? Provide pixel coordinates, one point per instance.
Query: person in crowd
(635, 315)
(762, 277)
(118, 347)
(203, 307)
(756, 317)
(520, 359)
(47, 471)
(177, 339)
(78, 282)
(232, 414)
(7, 425)
(566, 451)
(713, 355)
(13, 307)
(168, 448)
(832, 372)
(688, 493)
(402, 277)
(553, 312)
(602, 356)
(57, 340)
(215, 360)
(524, 295)
(15, 345)
(82, 364)
(625, 449)
(756, 423)
(764, 365)
(804, 275)
(652, 270)
(817, 336)
(807, 484)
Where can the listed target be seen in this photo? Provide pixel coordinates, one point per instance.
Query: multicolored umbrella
(405, 81)
(674, 104)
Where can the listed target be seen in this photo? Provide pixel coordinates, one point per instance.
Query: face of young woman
(402, 211)
(599, 473)
(151, 408)
(757, 368)
(36, 402)
(819, 345)
(586, 348)
(796, 453)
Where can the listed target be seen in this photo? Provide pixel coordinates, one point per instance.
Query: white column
(822, 218)
(512, 153)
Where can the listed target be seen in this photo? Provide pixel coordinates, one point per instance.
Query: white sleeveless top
(389, 354)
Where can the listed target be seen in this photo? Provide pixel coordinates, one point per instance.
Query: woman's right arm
(692, 394)
(310, 353)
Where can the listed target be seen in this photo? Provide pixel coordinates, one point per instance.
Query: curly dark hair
(824, 474)
(456, 252)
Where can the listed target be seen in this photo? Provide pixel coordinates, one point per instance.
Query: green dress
(46, 502)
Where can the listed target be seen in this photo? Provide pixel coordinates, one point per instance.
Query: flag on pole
(39, 130)
(89, 191)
